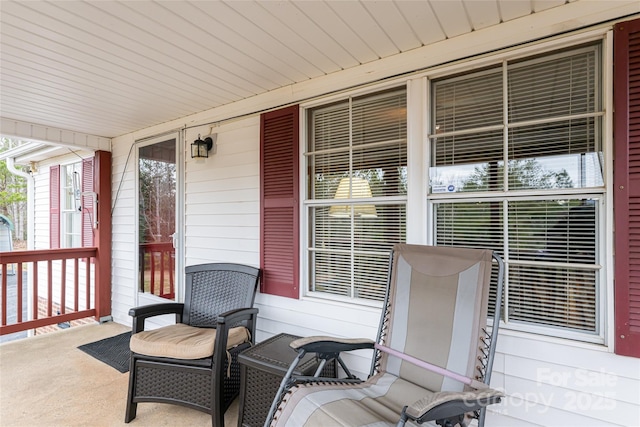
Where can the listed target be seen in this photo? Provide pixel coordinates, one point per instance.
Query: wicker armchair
(194, 362)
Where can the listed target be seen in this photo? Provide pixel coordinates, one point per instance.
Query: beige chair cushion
(182, 341)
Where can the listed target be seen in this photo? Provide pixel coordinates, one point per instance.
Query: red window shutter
(54, 207)
(279, 215)
(87, 203)
(627, 187)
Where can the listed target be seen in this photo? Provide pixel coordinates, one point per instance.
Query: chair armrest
(140, 314)
(228, 320)
(324, 344)
(232, 317)
(446, 404)
(327, 348)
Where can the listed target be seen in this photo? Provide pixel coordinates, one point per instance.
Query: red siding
(627, 187)
(87, 203)
(54, 207)
(279, 219)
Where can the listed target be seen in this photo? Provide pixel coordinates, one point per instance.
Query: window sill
(351, 303)
(574, 342)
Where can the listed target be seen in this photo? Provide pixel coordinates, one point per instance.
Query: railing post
(4, 295)
(102, 187)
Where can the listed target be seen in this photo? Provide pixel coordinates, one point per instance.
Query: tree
(525, 174)
(157, 200)
(13, 194)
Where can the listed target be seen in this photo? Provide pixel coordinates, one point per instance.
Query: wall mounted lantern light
(201, 146)
(360, 189)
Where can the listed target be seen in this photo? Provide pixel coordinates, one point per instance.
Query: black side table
(262, 368)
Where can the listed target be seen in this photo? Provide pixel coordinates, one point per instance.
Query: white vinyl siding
(517, 165)
(357, 158)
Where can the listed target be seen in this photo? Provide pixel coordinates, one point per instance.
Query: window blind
(541, 235)
(551, 141)
(470, 224)
(553, 296)
(54, 207)
(554, 118)
(350, 255)
(556, 85)
(468, 102)
(553, 231)
(357, 157)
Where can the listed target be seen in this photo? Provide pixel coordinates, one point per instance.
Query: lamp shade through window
(360, 189)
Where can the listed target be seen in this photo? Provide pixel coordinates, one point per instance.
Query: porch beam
(52, 136)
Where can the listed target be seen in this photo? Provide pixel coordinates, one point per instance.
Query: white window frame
(308, 204)
(604, 243)
(419, 207)
(67, 211)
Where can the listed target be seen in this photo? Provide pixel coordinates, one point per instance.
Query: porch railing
(63, 285)
(157, 264)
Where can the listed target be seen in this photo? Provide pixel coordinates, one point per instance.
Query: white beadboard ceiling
(108, 68)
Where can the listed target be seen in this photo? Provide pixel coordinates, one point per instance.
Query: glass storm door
(157, 175)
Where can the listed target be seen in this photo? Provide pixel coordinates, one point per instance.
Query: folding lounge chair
(432, 358)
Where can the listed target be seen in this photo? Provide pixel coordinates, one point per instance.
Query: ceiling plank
(452, 16)
(183, 60)
(540, 5)
(287, 22)
(483, 13)
(367, 29)
(340, 31)
(259, 27)
(423, 21)
(389, 17)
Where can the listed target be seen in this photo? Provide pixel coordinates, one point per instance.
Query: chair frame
(328, 348)
(207, 388)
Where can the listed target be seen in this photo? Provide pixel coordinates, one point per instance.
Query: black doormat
(113, 351)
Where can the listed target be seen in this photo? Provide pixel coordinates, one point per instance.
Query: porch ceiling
(109, 68)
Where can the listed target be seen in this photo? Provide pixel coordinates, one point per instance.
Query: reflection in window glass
(157, 218)
(458, 165)
(558, 155)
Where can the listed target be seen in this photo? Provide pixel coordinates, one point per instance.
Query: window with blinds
(356, 194)
(517, 166)
(71, 217)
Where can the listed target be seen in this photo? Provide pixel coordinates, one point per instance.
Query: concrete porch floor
(46, 381)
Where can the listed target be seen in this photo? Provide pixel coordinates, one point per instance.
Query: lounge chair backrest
(436, 295)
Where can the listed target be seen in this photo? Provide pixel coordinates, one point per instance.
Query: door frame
(141, 298)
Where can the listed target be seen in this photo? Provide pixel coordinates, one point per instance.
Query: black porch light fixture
(201, 146)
